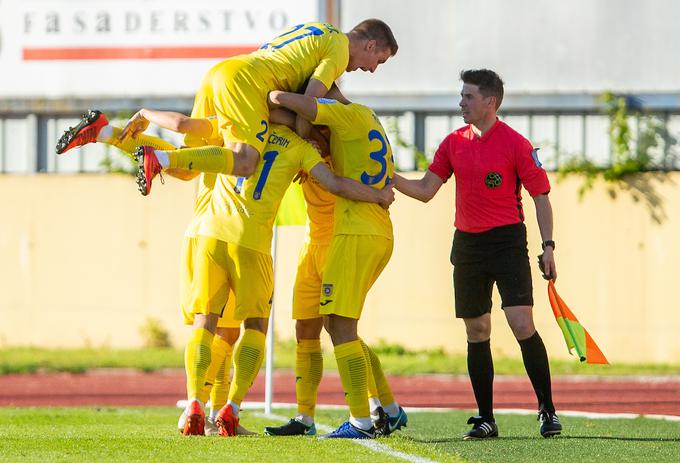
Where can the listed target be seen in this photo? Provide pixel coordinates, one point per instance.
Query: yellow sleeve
(310, 157)
(335, 115)
(335, 61)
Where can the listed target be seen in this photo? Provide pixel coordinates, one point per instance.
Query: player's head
(481, 95)
(371, 43)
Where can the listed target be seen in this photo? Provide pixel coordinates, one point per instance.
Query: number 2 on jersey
(311, 30)
(268, 159)
(378, 156)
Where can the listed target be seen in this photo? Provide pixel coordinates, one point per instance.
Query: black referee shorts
(481, 259)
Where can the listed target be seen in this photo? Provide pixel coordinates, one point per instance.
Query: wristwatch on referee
(550, 243)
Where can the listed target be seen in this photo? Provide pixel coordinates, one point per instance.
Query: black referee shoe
(550, 424)
(481, 429)
(292, 428)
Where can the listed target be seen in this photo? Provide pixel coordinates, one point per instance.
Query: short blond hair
(375, 29)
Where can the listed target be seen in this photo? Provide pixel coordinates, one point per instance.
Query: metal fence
(27, 140)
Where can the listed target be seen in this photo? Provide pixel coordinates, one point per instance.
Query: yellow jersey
(361, 151)
(242, 211)
(320, 211)
(310, 50)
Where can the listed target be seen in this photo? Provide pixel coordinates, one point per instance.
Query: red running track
(114, 387)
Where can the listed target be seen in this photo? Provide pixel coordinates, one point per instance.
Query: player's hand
(136, 125)
(272, 99)
(301, 177)
(546, 263)
(387, 196)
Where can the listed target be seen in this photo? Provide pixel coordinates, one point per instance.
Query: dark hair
(489, 83)
(375, 29)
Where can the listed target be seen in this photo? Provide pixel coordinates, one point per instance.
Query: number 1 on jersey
(311, 30)
(268, 159)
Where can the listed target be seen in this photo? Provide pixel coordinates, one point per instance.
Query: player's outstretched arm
(303, 105)
(170, 120)
(422, 189)
(351, 189)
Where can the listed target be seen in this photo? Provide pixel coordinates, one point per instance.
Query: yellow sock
(130, 145)
(383, 389)
(216, 361)
(220, 389)
(370, 383)
(353, 371)
(197, 360)
(248, 358)
(308, 371)
(214, 159)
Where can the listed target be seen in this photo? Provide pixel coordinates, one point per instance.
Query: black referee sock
(536, 363)
(480, 369)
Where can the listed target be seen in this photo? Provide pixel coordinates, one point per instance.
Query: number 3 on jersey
(379, 156)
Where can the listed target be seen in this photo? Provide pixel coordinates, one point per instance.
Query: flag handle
(269, 367)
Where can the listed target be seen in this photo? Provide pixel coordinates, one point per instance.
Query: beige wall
(84, 260)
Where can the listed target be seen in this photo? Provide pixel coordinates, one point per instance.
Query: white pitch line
(574, 413)
(373, 445)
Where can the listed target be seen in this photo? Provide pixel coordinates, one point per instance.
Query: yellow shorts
(227, 319)
(308, 281)
(213, 269)
(233, 93)
(353, 264)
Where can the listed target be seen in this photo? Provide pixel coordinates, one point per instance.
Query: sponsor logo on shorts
(326, 302)
(327, 290)
(326, 100)
(493, 180)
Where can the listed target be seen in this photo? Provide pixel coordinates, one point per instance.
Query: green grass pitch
(149, 435)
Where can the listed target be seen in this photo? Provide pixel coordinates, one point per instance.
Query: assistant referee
(491, 162)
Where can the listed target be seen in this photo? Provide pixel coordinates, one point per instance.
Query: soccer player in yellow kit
(361, 246)
(235, 90)
(309, 322)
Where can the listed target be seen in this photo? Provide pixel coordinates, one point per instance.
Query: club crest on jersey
(534, 156)
(327, 290)
(493, 180)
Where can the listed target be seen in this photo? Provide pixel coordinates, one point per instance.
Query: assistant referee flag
(574, 333)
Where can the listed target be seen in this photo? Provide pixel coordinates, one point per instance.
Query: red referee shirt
(490, 171)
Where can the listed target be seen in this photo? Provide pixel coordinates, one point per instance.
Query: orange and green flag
(574, 333)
